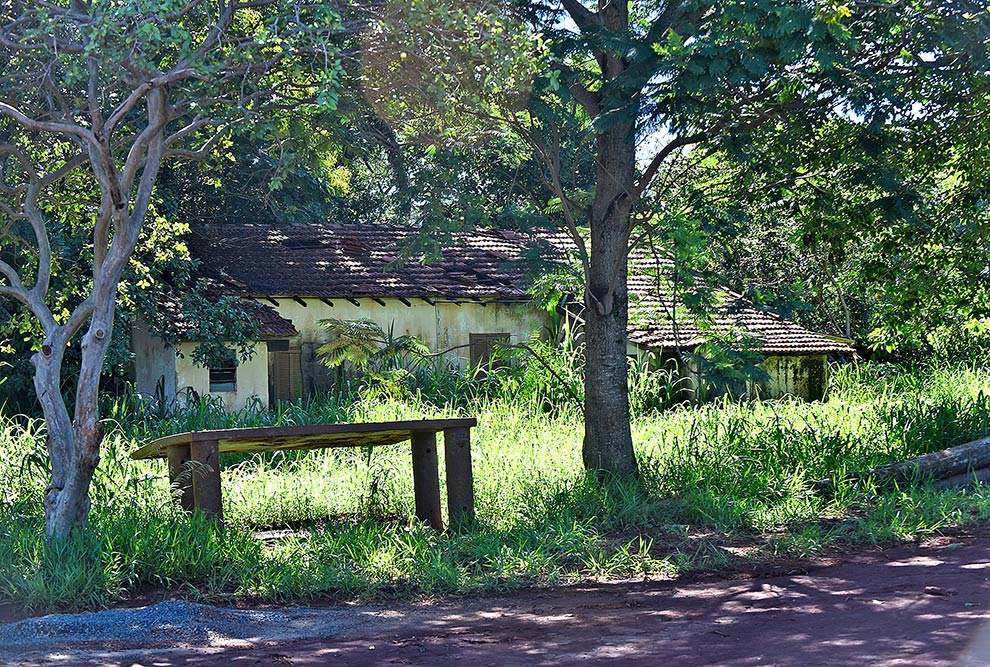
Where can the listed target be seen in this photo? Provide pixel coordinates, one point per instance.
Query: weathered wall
(803, 376)
(418, 320)
(154, 363)
(441, 326)
(457, 323)
(252, 377)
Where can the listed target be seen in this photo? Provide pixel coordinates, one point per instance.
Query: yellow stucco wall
(418, 320)
(252, 377)
(802, 376)
(441, 326)
(457, 323)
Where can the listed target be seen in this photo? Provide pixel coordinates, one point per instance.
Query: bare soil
(919, 604)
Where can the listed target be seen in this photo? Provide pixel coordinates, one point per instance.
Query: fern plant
(366, 345)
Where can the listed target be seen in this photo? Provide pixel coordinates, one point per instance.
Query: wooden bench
(201, 489)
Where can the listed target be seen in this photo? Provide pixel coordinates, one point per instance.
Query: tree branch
(63, 171)
(33, 125)
(93, 96)
(34, 302)
(78, 318)
(125, 107)
(581, 15)
(589, 100)
(651, 170)
(16, 287)
(556, 188)
(205, 148)
(14, 293)
(151, 134)
(37, 221)
(32, 214)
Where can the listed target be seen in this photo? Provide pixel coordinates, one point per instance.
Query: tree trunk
(607, 435)
(74, 446)
(958, 460)
(66, 499)
(608, 446)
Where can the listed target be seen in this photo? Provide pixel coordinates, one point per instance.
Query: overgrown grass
(334, 523)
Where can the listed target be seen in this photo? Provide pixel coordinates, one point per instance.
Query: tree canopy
(649, 82)
(94, 98)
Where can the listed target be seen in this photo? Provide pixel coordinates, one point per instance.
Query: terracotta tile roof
(270, 323)
(340, 261)
(652, 313)
(775, 335)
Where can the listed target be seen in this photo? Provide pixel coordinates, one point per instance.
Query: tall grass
(336, 522)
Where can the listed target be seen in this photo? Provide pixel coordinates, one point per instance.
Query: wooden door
(284, 374)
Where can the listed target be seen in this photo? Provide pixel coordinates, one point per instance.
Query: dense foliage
(878, 234)
(95, 97)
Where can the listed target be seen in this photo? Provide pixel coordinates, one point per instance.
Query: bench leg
(180, 477)
(460, 478)
(206, 478)
(426, 478)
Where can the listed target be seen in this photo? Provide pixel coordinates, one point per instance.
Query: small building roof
(270, 323)
(653, 314)
(353, 261)
(651, 325)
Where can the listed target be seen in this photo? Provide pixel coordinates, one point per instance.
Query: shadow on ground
(908, 605)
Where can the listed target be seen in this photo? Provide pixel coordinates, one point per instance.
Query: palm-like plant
(365, 344)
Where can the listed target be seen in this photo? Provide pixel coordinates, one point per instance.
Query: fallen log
(956, 466)
(980, 476)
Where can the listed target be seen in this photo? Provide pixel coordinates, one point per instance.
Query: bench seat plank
(274, 438)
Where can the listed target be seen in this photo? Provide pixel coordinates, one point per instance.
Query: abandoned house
(297, 276)
(794, 358)
(290, 278)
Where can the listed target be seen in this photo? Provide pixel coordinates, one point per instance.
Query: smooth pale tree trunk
(47, 383)
(73, 444)
(608, 448)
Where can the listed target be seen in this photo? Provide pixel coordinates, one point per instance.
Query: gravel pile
(173, 622)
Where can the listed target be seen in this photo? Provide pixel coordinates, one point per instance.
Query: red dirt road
(925, 605)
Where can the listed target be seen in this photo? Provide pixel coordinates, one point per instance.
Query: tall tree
(654, 79)
(94, 96)
(884, 230)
